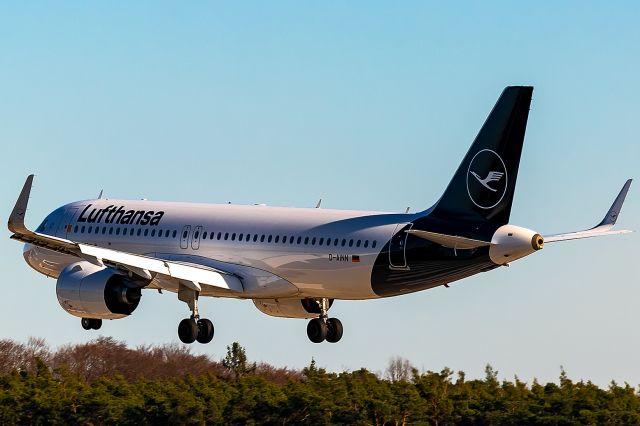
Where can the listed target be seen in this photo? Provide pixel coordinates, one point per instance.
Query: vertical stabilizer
(483, 186)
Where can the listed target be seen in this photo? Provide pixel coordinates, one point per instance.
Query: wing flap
(188, 273)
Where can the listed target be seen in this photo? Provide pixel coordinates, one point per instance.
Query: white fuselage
(320, 252)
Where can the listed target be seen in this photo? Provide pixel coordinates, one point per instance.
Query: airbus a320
(292, 262)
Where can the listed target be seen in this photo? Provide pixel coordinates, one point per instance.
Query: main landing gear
(91, 323)
(193, 328)
(324, 328)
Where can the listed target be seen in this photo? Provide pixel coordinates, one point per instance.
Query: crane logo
(491, 177)
(486, 179)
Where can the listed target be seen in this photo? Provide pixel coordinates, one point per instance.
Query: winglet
(16, 220)
(603, 228)
(612, 215)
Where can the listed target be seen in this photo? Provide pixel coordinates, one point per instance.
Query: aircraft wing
(190, 275)
(603, 228)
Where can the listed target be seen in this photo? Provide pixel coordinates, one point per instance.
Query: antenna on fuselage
(407, 210)
(319, 202)
(100, 195)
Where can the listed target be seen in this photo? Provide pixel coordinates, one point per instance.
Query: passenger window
(166, 233)
(350, 243)
(284, 240)
(82, 230)
(153, 232)
(248, 238)
(139, 232)
(306, 240)
(104, 230)
(291, 239)
(226, 236)
(321, 241)
(175, 233)
(366, 243)
(212, 235)
(219, 235)
(111, 230)
(262, 238)
(240, 237)
(89, 230)
(299, 239)
(335, 242)
(195, 236)
(255, 238)
(204, 235)
(184, 234)
(233, 236)
(117, 231)
(277, 239)
(313, 241)
(373, 244)
(75, 229)
(328, 241)
(269, 239)
(146, 232)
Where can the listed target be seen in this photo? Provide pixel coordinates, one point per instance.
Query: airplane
(292, 262)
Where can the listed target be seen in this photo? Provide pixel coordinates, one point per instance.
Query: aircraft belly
(313, 274)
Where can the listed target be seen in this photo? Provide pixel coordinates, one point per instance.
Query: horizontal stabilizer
(601, 229)
(449, 241)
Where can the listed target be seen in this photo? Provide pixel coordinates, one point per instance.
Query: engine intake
(87, 290)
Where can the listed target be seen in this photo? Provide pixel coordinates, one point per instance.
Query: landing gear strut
(91, 323)
(193, 328)
(324, 328)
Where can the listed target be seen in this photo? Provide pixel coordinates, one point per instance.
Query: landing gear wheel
(334, 330)
(86, 323)
(205, 331)
(188, 330)
(317, 330)
(91, 323)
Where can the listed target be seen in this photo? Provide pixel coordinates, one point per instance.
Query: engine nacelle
(290, 308)
(511, 242)
(89, 291)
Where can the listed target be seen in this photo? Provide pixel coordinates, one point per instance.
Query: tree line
(106, 382)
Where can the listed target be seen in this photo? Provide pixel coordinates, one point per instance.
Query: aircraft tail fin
(482, 188)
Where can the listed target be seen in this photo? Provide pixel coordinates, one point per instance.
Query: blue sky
(369, 105)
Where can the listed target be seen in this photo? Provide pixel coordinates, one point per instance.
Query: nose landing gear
(324, 328)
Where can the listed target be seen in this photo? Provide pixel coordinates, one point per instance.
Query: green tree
(236, 361)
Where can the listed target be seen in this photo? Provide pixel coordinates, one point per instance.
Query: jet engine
(511, 242)
(290, 308)
(87, 290)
